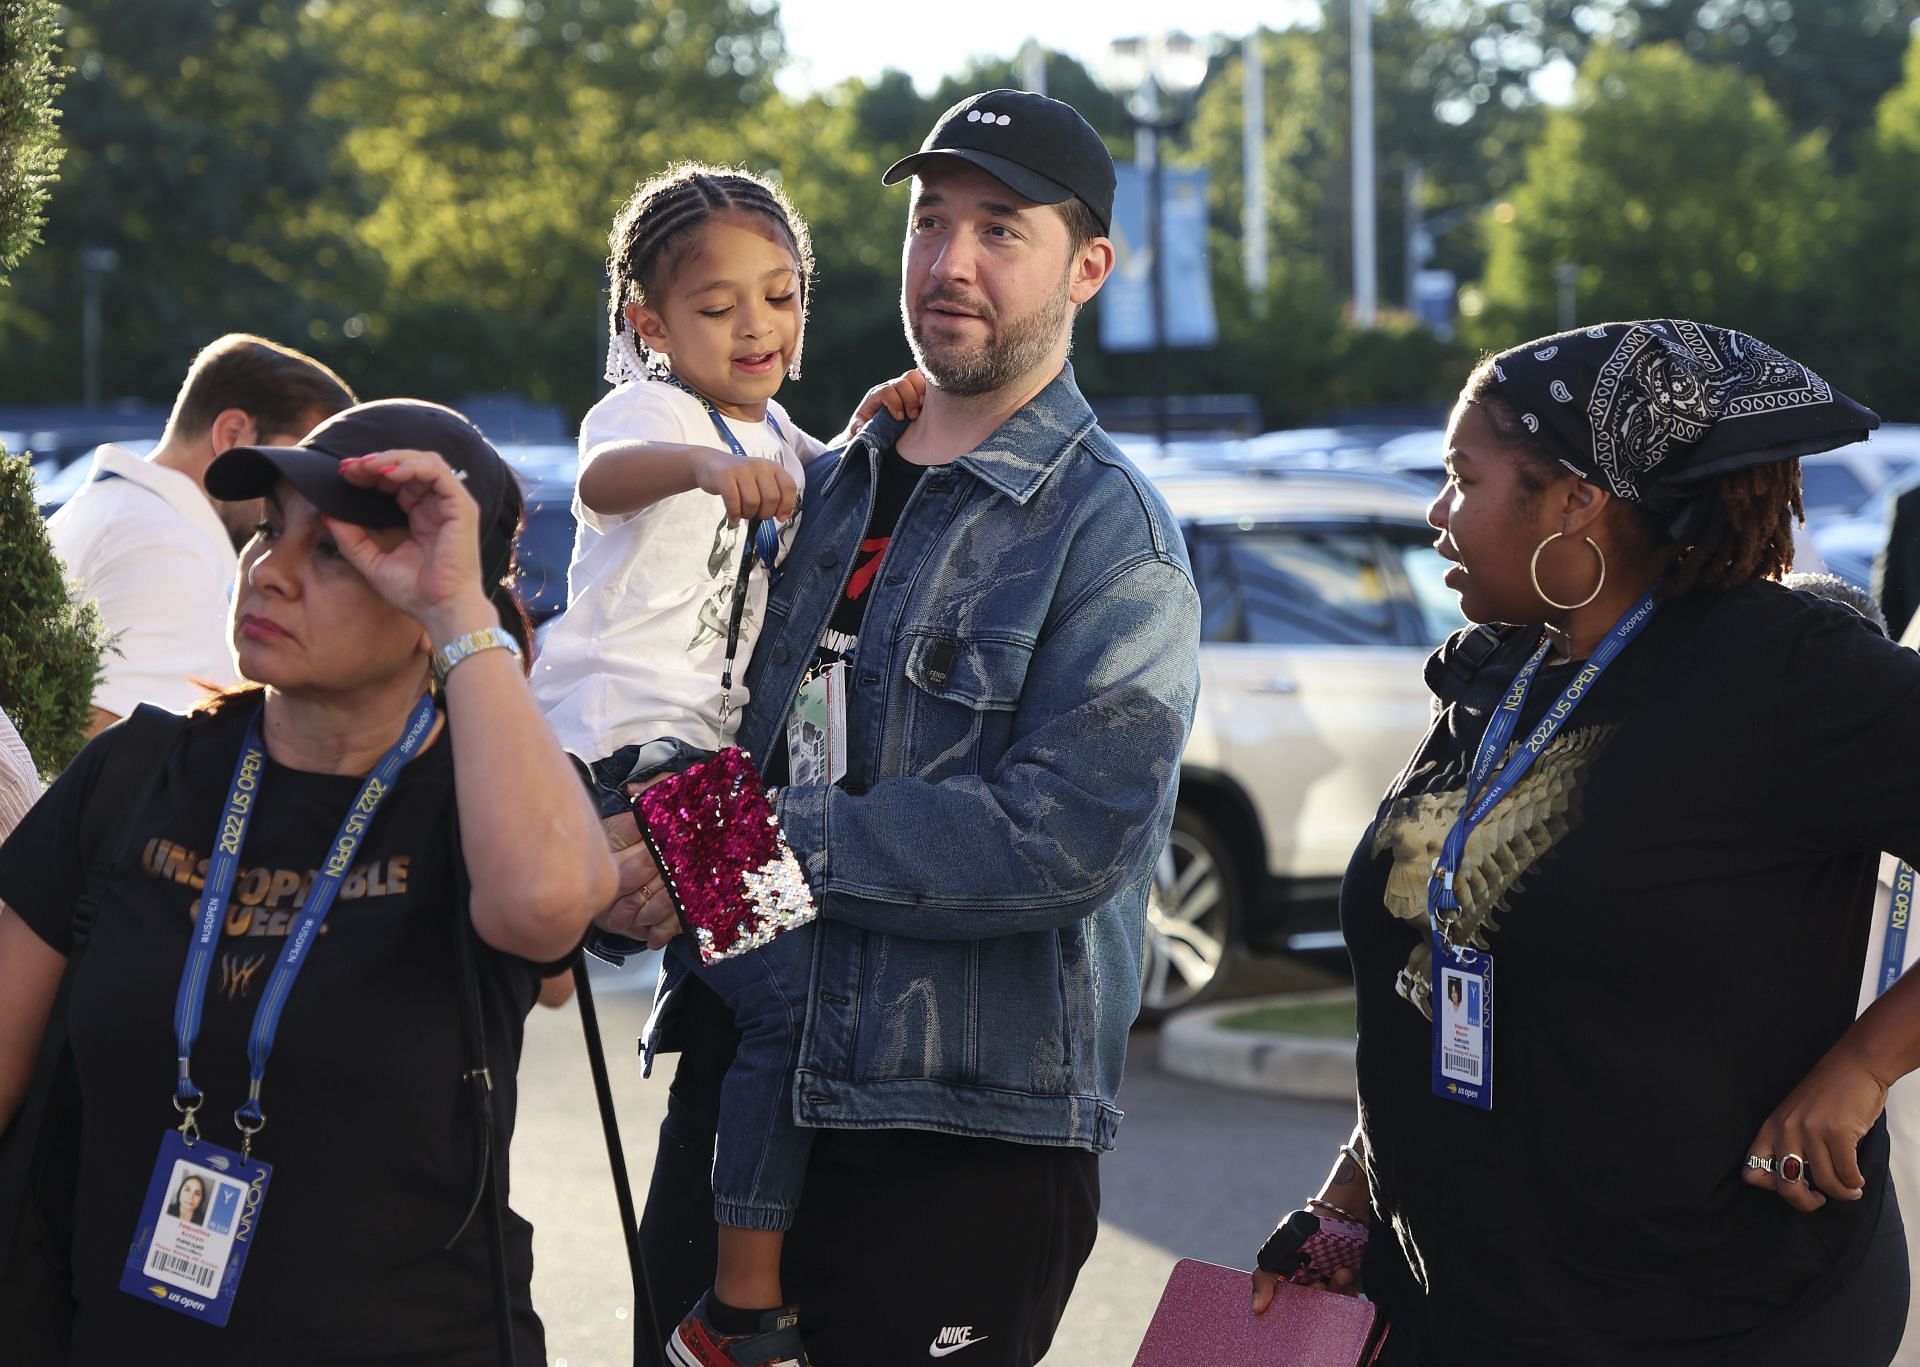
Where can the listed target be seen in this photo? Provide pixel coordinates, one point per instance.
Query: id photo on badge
(1460, 1024)
(195, 1228)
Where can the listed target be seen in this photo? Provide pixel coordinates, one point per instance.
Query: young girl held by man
(692, 478)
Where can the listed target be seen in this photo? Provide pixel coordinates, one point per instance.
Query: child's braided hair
(655, 227)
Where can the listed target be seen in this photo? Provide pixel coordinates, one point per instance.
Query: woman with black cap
(319, 922)
(1645, 822)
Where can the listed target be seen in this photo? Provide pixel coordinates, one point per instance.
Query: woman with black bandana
(1645, 823)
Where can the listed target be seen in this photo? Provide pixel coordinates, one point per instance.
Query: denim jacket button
(779, 655)
(828, 559)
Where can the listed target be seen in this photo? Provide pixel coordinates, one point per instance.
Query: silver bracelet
(465, 647)
(1344, 1214)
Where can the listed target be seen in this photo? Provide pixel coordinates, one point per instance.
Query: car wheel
(1191, 911)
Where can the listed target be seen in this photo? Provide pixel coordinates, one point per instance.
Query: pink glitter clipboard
(1205, 1316)
(723, 857)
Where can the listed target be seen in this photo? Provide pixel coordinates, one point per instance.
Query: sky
(831, 40)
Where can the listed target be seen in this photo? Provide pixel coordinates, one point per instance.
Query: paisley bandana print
(1650, 410)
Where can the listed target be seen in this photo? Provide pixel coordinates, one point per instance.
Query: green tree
(1824, 62)
(194, 154)
(494, 142)
(29, 154)
(50, 645)
(1873, 316)
(1676, 190)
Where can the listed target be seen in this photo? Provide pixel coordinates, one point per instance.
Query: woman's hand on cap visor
(434, 574)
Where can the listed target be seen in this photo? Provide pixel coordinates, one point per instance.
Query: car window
(1438, 607)
(1269, 585)
(540, 557)
(1829, 486)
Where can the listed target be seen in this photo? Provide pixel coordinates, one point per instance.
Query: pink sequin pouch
(724, 859)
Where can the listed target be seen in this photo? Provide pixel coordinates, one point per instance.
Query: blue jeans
(760, 1155)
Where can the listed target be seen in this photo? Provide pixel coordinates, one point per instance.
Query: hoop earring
(1533, 570)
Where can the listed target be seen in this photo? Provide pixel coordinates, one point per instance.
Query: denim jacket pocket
(960, 708)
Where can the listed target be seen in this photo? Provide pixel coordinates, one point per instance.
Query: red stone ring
(1791, 1168)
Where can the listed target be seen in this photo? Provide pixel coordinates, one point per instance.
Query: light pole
(1566, 288)
(1423, 232)
(1154, 76)
(95, 263)
(1366, 283)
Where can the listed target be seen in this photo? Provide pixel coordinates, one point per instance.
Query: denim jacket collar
(1017, 458)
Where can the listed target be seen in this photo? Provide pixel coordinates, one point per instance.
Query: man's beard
(1009, 351)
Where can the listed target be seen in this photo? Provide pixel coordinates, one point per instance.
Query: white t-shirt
(149, 548)
(639, 651)
(19, 780)
(1903, 1099)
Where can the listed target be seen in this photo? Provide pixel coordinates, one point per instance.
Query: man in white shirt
(144, 540)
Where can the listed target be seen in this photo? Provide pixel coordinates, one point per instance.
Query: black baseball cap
(1036, 147)
(313, 467)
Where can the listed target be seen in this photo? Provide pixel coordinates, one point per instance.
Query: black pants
(1858, 1325)
(902, 1243)
(1861, 1323)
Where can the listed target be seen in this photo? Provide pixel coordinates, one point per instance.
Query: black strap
(738, 609)
(478, 1076)
(649, 1327)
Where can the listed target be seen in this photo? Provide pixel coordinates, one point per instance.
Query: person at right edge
(1646, 819)
(1006, 607)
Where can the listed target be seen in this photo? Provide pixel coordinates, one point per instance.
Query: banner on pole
(1126, 301)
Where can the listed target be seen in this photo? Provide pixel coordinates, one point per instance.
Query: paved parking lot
(1200, 1172)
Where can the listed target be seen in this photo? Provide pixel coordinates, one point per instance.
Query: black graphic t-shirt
(1676, 900)
(369, 1128)
(898, 477)
(897, 481)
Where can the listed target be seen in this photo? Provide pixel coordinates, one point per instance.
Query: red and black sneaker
(776, 1343)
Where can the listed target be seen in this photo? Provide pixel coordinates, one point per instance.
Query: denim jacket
(1022, 689)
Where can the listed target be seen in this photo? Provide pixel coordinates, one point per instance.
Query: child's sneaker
(776, 1343)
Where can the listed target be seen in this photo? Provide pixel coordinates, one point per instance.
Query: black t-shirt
(898, 478)
(369, 1127)
(897, 481)
(1676, 901)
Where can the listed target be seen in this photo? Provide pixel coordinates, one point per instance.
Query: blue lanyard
(1484, 794)
(1899, 913)
(766, 536)
(223, 866)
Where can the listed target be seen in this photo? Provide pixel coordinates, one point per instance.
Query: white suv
(1321, 598)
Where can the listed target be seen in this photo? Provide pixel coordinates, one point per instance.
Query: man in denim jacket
(1010, 609)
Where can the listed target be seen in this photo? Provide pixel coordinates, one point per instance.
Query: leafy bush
(28, 153)
(50, 646)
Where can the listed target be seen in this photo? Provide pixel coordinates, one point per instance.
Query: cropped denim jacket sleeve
(1020, 696)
